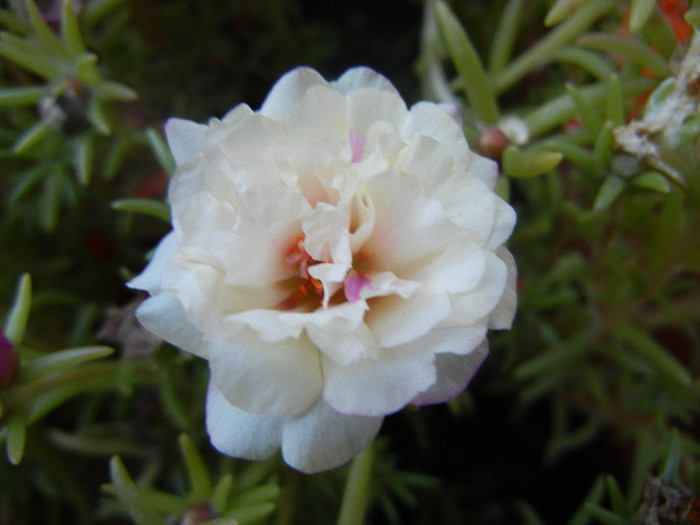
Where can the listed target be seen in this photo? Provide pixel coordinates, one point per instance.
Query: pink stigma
(354, 284)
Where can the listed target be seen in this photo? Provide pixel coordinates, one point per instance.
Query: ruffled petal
(454, 372)
(239, 434)
(361, 77)
(503, 225)
(408, 227)
(502, 316)
(341, 334)
(369, 106)
(151, 279)
(470, 307)
(429, 119)
(164, 315)
(266, 378)
(376, 387)
(323, 439)
(395, 321)
(185, 138)
(289, 90)
(458, 269)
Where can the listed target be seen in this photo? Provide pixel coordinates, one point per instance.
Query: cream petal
(361, 221)
(502, 316)
(395, 321)
(164, 315)
(428, 161)
(321, 115)
(486, 218)
(340, 333)
(289, 90)
(369, 106)
(429, 119)
(451, 339)
(239, 434)
(323, 439)
(362, 77)
(151, 279)
(326, 234)
(484, 169)
(332, 278)
(282, 379)
(504, 224)
(382, 284)
(458, 269)
(470, 307)
(272, 326)
(185, 138)
(381, 386)
(454, 372)
(409, 227)
(250, 242)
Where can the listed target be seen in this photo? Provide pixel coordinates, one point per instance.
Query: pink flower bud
(8, 361)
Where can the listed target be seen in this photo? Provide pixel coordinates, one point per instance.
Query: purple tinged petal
(454, 372)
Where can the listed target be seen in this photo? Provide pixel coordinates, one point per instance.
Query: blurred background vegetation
(585, 412)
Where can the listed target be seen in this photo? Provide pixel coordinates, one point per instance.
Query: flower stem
(546, 48)
(356, 497)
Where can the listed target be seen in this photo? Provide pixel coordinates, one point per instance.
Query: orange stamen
(308, 286)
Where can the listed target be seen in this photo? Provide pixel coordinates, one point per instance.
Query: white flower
(335, 256)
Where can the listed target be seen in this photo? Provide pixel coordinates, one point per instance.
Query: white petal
(395, 321)
(428, 119)
(454, 372)
(409, 227)
(458, 269)
(428, 161)
(320, 116)
(485, 169)
(272, 326)
(323, 439)
(339, 332)
(208, 299)
(369, 106)
(450, 339)
(266, 378)
(185, 138)
(470, 204)
(331, 276)
(289, 90)
(504, 224)
(151, 279)
(239, 434)
(326, 235)
(164, 315)
(502, 316)
(363, 77)
(377, 387)
(382, 284)
(470, 307)
(249, 242)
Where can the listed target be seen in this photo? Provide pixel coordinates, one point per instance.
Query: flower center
(306, 286)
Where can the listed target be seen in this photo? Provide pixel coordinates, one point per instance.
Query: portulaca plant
(335, 256)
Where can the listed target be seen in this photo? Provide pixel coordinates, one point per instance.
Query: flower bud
(491, 143)
(8, 361)
(195, 514)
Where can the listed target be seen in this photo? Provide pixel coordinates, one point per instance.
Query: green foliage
(228, 502)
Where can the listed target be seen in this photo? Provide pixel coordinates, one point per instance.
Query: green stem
(503, 41)
(559, 110)
(356, 497)
(545, 49)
